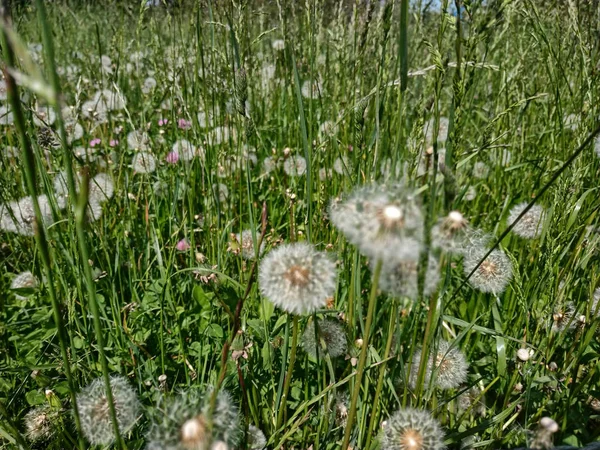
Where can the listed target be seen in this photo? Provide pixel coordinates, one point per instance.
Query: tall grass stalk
(40, 233)
(363, 356)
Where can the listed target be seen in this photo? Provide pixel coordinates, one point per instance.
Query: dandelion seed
(448, 367)
(94, 410)
(183, 423)
(41, 423)
(184, 149)
(256, 438)
(330, 332)
(143, 162)
(494, 273)
(379, 220)
(297, 278)
(531, 224)
(295, 166)
(412, 429)
(23, 281)
(246, 244)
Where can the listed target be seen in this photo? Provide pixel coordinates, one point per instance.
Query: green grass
(506, 76)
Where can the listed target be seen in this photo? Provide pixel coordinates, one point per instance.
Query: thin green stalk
(40, 228)
(363, 356)
(80, 216)
(378, 389)
(288, 375)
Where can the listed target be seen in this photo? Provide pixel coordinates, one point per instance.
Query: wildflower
(162, 122)
(184, 149)
(452, 233)
(113, 142)
(530, 225)
(295, 166)
(400, 279)
(412, 429)
(447, 366)
(149, 85)
(245, 243)
(256, 438)
(143, 162)
(184, 124)
(297, 278)
(94, 410)
(41, 423)
(101, 188)
(183, 423)
(330, 333)
(379, 220)
(46, 138)
(23, 283)
(183, 245)
(95, 142)
(493, 274)
(172, 157)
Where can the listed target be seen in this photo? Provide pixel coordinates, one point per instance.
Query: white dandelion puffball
(138, 140)
(44, 116)
(24, 280)
(184, 149)
(494, 273)
(278, 44)
(295, 166)
(101, 188)
(6, 115)
(312, 90)
(412, 429)
(297, 278)
(246, 244)
(113, 101)
(597, 146)
(401, 279)
(143, 162)
(379, 220)
(448, 367)
(94, 409)
(531, 224)
(429, 127)
(207, 118)
(149, 85)
(330, 332)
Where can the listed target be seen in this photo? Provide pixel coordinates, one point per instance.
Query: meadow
(304, 225)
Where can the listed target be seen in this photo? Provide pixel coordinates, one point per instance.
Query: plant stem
(288, 375)
(363, 356)
(40, 227)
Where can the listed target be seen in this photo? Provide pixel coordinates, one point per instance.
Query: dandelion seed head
(44, 116)
(138, 140)
(295, 166)
(452, 233)
(297, 278)
(530, 226)
(246, 244)
(400, 278)
(379, 221)
(278, 45)
(41, 423)
(412, 429)
(184, 149)
(101, 188)
(256, 438)
(331, 332)
(471, 399)
(494, 273)
(563, 318)
(597, 146)
(94, 410)
(447, 365)
(24, 280)
(143, 162)
(480, 170)
(429, 127)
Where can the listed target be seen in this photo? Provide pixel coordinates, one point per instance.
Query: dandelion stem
(288, 375)
(388, 347)
(363, 356)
